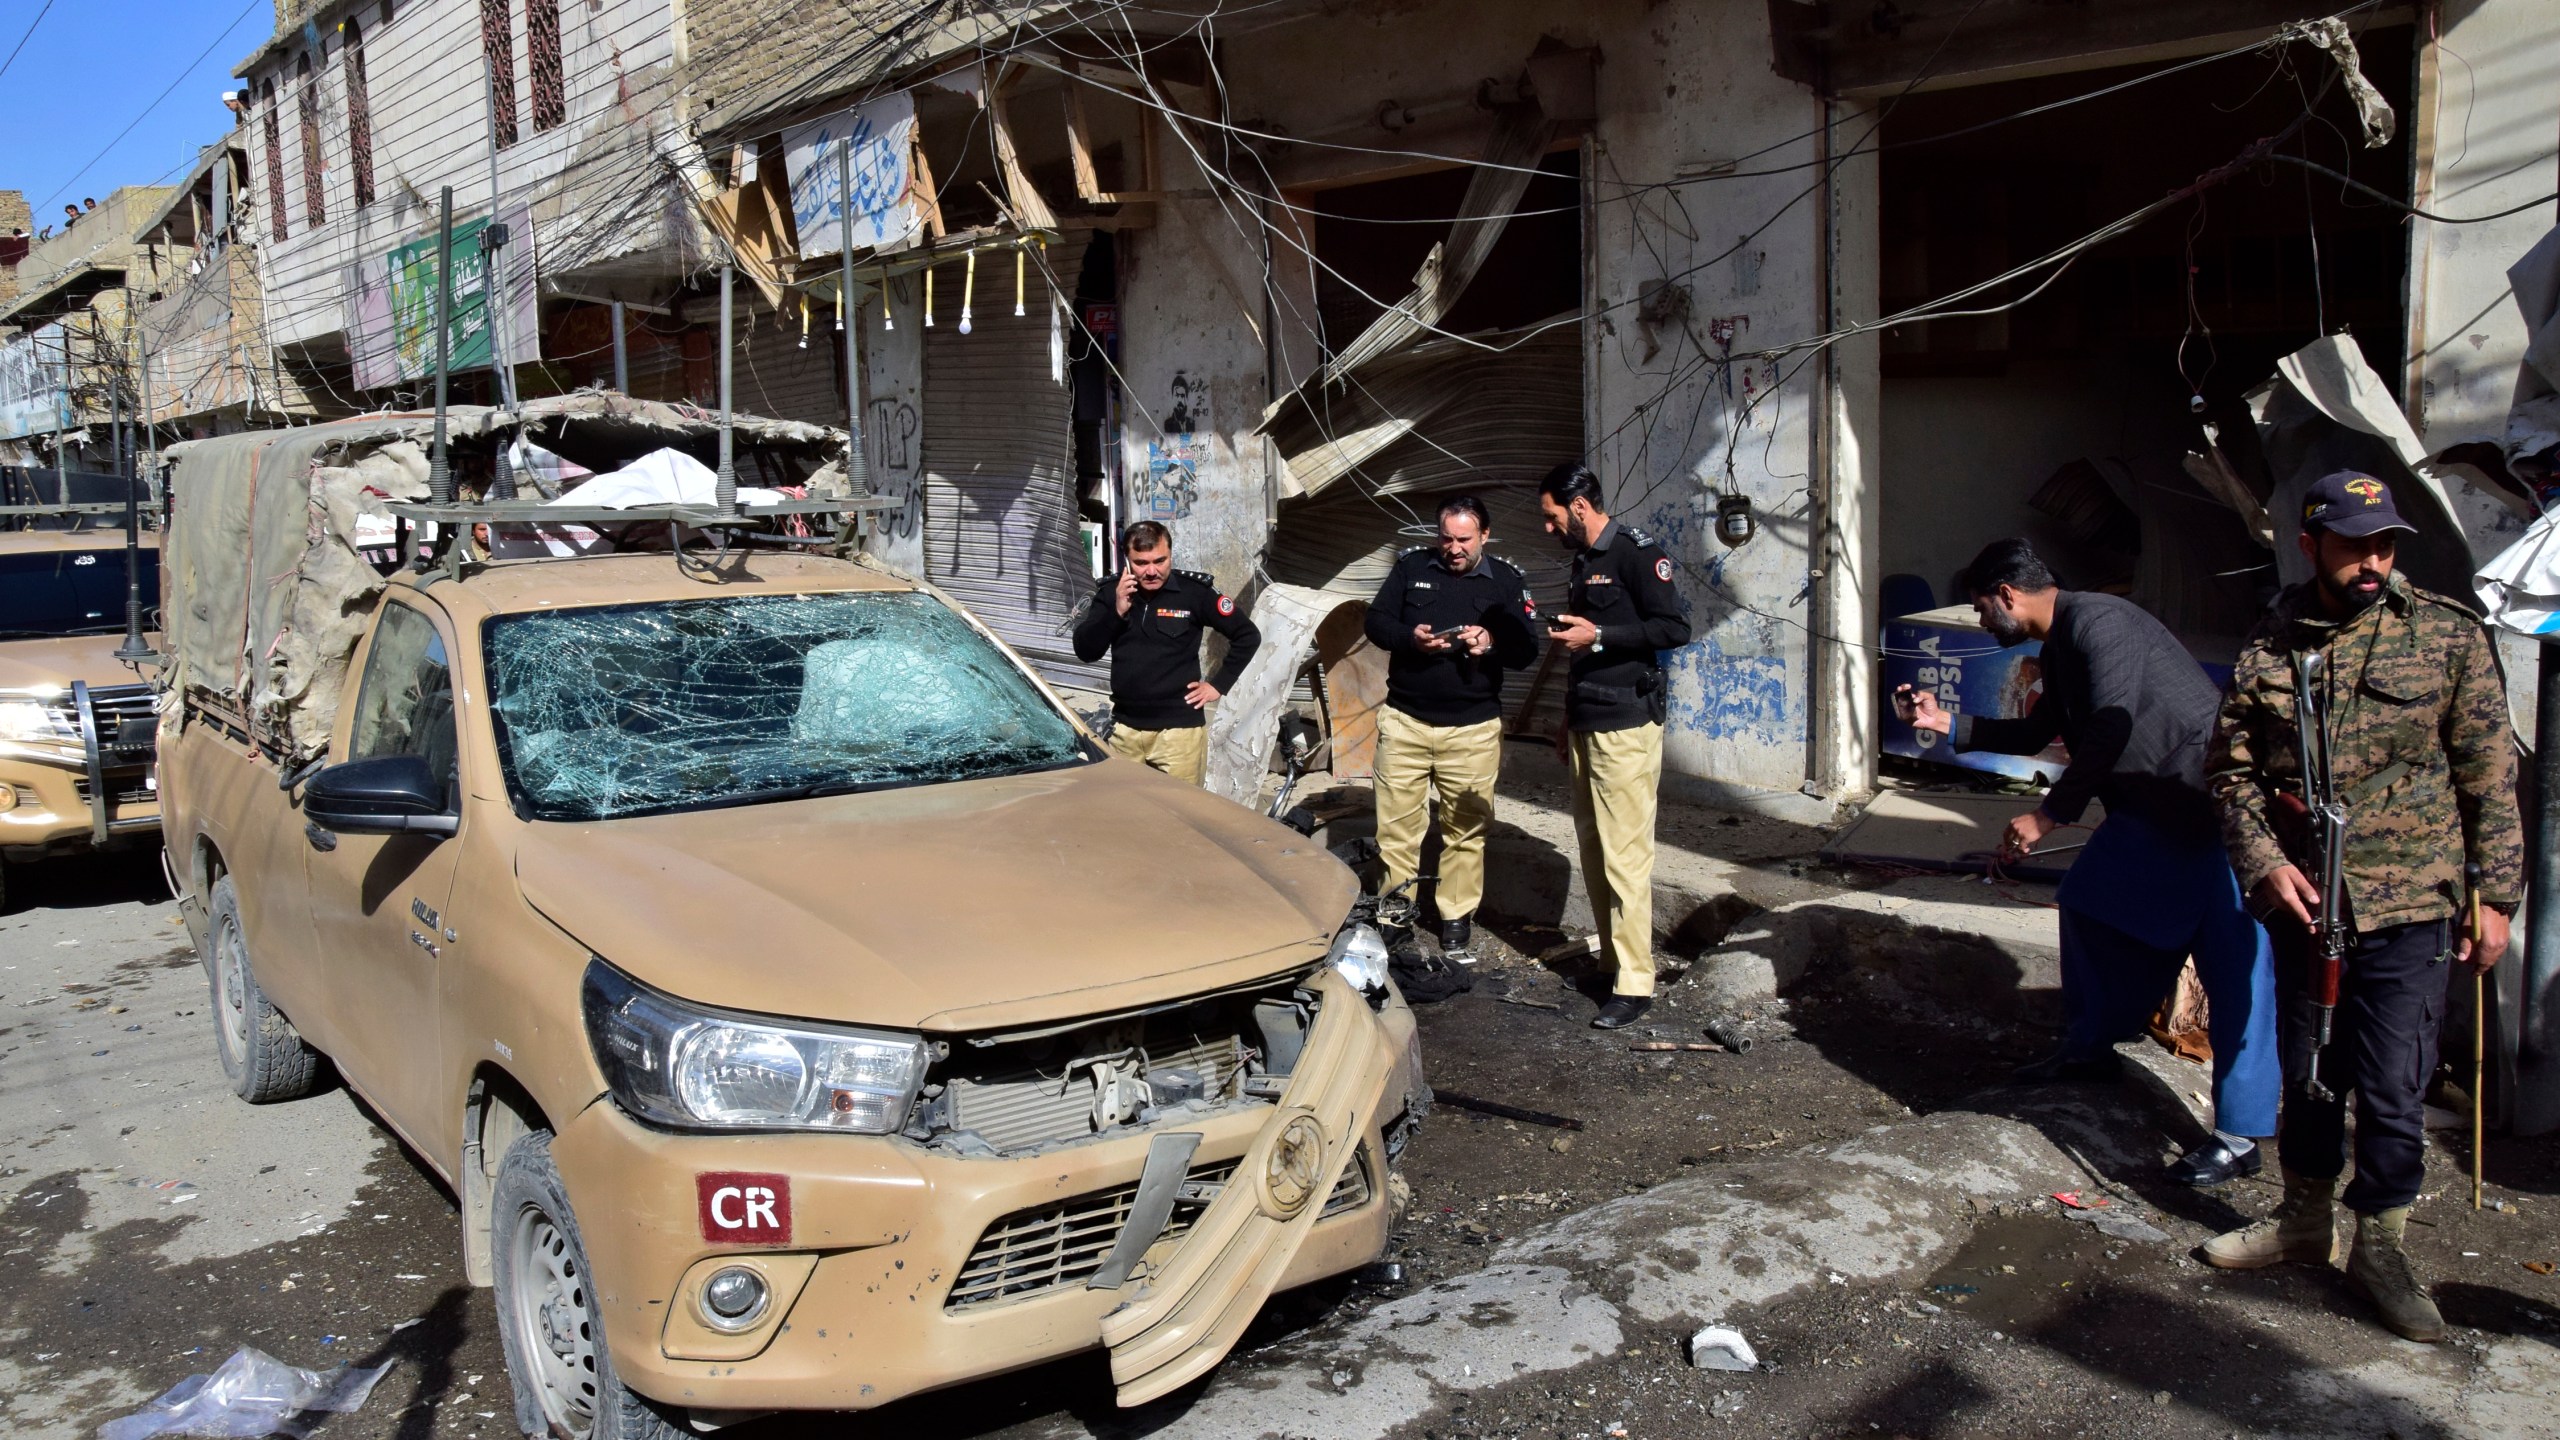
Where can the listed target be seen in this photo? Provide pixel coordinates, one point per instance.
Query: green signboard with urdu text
(413, 301)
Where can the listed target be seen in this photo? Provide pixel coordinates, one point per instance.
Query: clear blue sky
(91, 67)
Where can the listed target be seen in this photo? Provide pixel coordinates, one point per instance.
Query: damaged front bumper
(900, 1268)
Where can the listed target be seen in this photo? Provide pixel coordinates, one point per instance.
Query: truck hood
(987, 904)
(53, 663)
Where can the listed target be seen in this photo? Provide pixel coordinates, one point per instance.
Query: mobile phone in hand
(1448, 632)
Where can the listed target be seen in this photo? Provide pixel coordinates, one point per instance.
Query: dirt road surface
(1858, 1195)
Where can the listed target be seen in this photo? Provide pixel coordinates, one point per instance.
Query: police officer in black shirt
(1452, 619)
(1623, 608)
(1149, 616)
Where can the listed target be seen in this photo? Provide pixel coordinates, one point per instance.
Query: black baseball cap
(2352, 504)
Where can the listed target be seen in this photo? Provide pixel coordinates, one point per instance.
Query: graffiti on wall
(889, 433)
(1169, 484)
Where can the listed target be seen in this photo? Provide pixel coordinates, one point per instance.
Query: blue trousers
(2134, 907)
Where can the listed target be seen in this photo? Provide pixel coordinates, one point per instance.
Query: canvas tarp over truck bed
(264, 590)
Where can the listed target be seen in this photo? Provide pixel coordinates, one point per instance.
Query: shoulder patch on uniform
(1226, 605)
(1662, 569)
(1209, 580)
(2447, 602)
(1635, 534)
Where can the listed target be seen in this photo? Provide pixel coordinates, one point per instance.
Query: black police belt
(1646, 687)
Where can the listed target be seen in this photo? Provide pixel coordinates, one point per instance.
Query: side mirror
(387, 795)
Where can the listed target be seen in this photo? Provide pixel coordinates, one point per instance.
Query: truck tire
(262, 1056)
(557, 1360)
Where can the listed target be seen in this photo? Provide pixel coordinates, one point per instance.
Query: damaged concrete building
(1889, 285)
(1829, 295)
(360, 114)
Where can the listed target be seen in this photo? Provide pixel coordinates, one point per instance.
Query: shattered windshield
(634, 709)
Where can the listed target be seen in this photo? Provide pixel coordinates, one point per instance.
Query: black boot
(1454, 937)
(1621, 1011)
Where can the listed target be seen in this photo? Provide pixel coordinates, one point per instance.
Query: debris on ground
(2073, 1200)
(1500, 1111)
(1684, 1045)
(2117, 1225)
(253, 1393)
(1727, 1032)
(1718, 1347)
(2540, 1267)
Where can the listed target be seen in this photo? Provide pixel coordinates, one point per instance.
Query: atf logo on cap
(2352, 504)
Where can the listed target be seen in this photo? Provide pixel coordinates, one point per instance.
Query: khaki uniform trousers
(1460, 762)
(1617, 779)
(1182, 754)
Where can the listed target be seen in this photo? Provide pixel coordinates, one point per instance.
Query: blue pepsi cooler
(1947, 653)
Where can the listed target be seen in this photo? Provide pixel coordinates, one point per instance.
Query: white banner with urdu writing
(33, 398)
(882, 203)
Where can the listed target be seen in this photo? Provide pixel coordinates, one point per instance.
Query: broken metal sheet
(2533, 421)
(1246, 723)
(1520, 136)
(1441, 418)
(2325, 410)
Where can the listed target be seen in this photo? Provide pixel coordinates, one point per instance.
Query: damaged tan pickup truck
(806, 1011)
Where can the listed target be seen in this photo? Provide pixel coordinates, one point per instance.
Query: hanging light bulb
(804, 322)
(840, 305)
(928, 297)
(968, 290)
(887, 320)
(1017, 280)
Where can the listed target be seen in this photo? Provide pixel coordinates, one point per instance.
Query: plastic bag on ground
(253, 1394)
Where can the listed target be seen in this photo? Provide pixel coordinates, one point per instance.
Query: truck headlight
(26, 720)
(1360, 953)
(696, 1068)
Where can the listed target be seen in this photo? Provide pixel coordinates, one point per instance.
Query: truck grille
(1034, 1252)
(1027, 1108)
(122, 789)
(128, 727)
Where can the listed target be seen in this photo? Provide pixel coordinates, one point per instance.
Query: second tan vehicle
(76, 723)
(805, 1009)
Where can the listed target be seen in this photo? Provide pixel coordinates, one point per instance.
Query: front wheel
(263, 1056)
(547, 1321)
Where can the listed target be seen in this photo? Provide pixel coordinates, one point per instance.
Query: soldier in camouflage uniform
(2425, 765)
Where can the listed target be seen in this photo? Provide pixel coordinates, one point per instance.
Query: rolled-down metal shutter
(1000, 529)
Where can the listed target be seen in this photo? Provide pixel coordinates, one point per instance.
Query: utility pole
(621, 354)
(728, 490)
(440, 467)
(133, 651)
(62, 425)
(2535, 1107)
(854, 477)
(493, 242)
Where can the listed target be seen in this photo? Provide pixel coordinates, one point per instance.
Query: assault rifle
(2325, 831)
